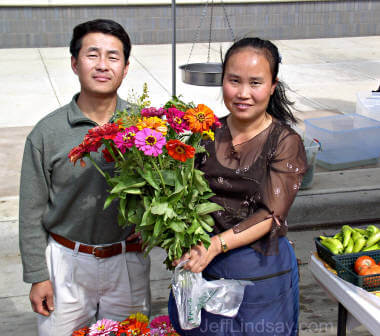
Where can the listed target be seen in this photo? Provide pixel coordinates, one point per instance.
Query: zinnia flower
(77, 153)
(103, 327)
(200, 118)
(154, 123)
(126, 139)
(107, 155)
(180, 151)
(160, 322)
(152, 112)
(176, 121)
(208, 135)
(133, 327)
(150, 141)
(80, 332)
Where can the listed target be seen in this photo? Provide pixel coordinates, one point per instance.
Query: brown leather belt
(98, 251)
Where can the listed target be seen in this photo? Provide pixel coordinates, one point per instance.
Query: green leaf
(157, 227)
(122, 205)
(205, 208)
(147, 174)
(159, 208)
(109, 200)
(169, 177)
(199, 182)
(147, 219)
(177, 226)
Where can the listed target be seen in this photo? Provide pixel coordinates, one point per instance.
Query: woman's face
(247, 84)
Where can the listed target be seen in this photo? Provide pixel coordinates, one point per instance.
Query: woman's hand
(199, 257)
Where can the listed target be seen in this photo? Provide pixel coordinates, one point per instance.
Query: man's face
(100, 66)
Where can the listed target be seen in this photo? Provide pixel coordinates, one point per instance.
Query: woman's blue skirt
(270, 305)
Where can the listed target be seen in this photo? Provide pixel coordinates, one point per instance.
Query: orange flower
(154, 123)
(80, 332)
(132, 327)
(179, 151)
(200, 119)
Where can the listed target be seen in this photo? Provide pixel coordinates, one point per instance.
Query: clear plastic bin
(368, 104)
(348, 140)
(311, 147)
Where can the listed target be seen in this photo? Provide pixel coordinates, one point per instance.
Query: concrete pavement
(323, 75)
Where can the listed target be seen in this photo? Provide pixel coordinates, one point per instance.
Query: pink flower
(150, 141)
(126, 139)
(152, 112)
(103, 327)
(162, 322)
(175, 120)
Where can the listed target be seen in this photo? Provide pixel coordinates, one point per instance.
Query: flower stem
(159, 174)
(95, 165)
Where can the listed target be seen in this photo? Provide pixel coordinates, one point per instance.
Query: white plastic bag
(192, 293)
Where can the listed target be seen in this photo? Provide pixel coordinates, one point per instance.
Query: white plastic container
(368, 104)
(348, 140)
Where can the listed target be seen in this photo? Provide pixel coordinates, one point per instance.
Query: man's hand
(41, 297)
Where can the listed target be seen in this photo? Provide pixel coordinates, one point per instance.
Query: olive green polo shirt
(58, 197)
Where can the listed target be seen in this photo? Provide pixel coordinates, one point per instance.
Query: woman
(255, 168)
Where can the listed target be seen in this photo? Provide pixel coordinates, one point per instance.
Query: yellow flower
(154, 123)
(206, 135)
(139, 317)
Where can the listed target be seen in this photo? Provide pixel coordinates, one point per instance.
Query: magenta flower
(160, 322)
(126, 139)
(175, 120)
(152, 112)
(150, 141)
(103, 327)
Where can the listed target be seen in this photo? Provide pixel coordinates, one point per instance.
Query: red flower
(77, 153)
(180, 151)
(92, 141)
(107, 155)
(80, 332)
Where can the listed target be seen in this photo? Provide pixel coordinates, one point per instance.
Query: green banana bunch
(353, 240)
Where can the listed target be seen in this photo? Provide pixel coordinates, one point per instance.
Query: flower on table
(150, 141)
(161, 326)
(200, 118)
(176, 121)
(179, 150)
(81, 332)
(103, 327)
(135, 324)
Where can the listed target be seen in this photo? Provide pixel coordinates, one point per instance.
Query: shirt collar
(76, 116)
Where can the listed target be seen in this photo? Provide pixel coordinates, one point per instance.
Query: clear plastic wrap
(192, 293)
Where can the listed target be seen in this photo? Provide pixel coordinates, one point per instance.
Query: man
(80, 262)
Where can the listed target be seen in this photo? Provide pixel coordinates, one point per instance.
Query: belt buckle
(94, 251)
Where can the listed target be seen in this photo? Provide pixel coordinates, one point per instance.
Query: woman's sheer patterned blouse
(255, 180)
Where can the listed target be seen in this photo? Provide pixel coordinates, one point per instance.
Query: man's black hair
(99, 26)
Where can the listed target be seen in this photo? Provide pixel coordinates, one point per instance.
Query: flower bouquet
(155, 182)
(134, 325)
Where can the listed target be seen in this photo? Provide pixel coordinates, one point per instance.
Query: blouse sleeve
(286, 168)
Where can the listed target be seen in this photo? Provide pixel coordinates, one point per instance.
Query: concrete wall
(151, 24)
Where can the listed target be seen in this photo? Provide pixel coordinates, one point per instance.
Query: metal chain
(198, 31)
(210, 32)
(228, 21)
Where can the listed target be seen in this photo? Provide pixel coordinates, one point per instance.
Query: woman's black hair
(104, 26)
(279, 104)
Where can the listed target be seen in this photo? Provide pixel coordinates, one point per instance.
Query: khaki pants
(86, 288)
